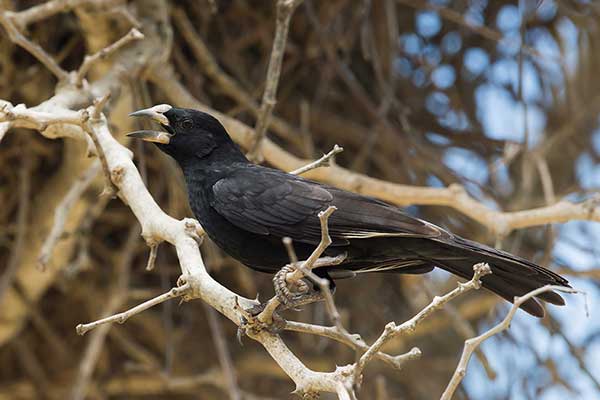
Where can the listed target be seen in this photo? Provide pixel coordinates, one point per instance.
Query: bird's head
(188, 134)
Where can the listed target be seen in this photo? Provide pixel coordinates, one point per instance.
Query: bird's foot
(287, 291)
(251, 323)
(294, 294)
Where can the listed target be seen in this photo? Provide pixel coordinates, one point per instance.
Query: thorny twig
(321, 162)
(125, 315)
(22, 215)
(473, 343)
(90, 60)
(7, 20)
(62, 212)
(391, 329)
(285, 9)
(118, 297)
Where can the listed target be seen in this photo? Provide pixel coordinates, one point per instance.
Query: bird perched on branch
(248, 209)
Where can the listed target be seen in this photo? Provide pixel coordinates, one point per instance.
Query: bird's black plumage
(247, 209)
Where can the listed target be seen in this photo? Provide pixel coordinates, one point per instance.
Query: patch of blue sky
(592, 359)
(432, 54)
(443, 76)
(466, 163)
(437, 138)
(476, 60)
(511, 360)
(503, 118)
(411, 44)
(503, 178)
(419, 78)
(474, 17)
(437, 103)
(510, 44)
(575, 324)
(576, 257)
(508, 18)
(456, 120)
(588, 172)
(546, 44)
(546, 10)
(428, 23)
(451, 43)
(596, 141)
(506, 72)
(434, 181)
(569, 35)
(403, 67)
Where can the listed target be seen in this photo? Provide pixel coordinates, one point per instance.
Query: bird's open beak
(151, 136)
(155, 113)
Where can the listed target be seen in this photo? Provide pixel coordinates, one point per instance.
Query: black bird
(247, 209)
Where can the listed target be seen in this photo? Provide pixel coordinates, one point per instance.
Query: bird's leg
(296, 293)
(290, 292)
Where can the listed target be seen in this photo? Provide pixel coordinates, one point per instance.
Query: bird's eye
(186, 124)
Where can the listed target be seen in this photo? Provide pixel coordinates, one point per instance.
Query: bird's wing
(270, 202)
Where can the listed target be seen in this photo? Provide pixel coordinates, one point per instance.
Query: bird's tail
(511, 275)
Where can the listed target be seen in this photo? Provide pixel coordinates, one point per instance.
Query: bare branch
(7, 21)
(391, 329)
(125, 315)
(285, 9)
(90, 60)
(48, 9)
(62, 212)
(321, 162)
(473, 343)
(18, 246)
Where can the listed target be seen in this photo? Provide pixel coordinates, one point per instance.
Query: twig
(223, 354)
(62, 212)
(48, 9)
(152, 256)
(231, 88)
(90, 60)
(125, 315)
(22, 216)
(354, 341)
(118, 297)
(303, 268)
(89, 125)
(391, 329)
(7, 21)
(473, 343)
(321, 162)
(285, 9)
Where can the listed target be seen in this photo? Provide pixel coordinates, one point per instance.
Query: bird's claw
(251, 324)
(296, 294)
(287, 293)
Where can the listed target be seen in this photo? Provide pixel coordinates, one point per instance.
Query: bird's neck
(213, 166)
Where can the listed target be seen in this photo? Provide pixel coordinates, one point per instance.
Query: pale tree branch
(7, 20)
(472, 344)
(62, 212)
(90, 60)
(408, 327)
(121, 317)
(324, 161)
(48, 9)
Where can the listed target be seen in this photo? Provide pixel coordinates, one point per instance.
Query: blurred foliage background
(499, 96)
